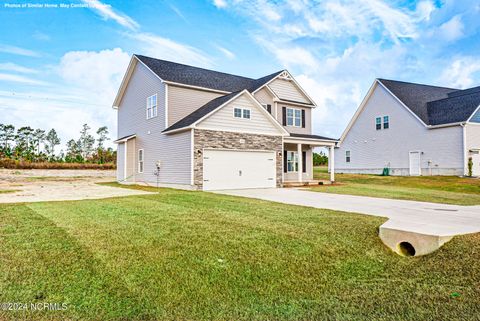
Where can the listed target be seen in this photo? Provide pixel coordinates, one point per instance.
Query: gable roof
(436, 105)
(416, 96)
(199, 113)
(194, 76)
(213, 105)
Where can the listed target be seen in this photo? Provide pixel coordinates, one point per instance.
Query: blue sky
(61, 67)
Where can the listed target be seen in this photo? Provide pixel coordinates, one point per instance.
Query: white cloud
(97, 74)
(220, 3)
(21, 79)
(226, 52)
(16, 68)
(424, 10)
(452, 30)
(462, 73)
(107, 12)
(38, 35)
(163, 48)
(18, 51)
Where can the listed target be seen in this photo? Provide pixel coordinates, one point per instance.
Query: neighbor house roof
(435, 105)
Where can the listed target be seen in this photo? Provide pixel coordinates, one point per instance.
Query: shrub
(470, 167)
(16, 164)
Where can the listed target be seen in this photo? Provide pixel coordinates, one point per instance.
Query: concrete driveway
(417, 217)
(58, 185)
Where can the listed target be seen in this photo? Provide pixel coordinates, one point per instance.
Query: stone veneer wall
(229, 140)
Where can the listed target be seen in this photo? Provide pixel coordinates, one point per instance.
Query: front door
(414, 161)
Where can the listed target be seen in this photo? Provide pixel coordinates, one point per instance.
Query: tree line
(37, 145)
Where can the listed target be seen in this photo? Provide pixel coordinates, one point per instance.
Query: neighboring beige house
(412, 129)
(188, 127)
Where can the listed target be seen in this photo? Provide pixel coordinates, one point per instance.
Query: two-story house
(412, 129)
(193, 128)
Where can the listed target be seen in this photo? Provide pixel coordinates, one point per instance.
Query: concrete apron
(413, 229)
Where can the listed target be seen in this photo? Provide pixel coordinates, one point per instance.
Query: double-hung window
(294, 117)
(378, 123)
(347, 156)
(152, 109)
(386, 122)
(140, 160)
(292, 162)
(241, 113)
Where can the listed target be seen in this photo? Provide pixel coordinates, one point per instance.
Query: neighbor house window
(152, 110)
(292, 162)
(294, 117)
(347, 156)
(386, 122)
(140, 160)
(378, 123)
(241, 113)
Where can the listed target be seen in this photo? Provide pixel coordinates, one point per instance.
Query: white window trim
(151, 107)
(348, 156)
(142, 161)
(383, 122)
(293, 161)
(293, 117)
(242, 109)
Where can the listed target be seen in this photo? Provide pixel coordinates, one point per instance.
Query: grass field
(194, 255)
(437, 189)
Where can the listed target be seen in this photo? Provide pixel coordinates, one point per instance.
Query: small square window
(237, 112)
(386, 122)
(347, 156)
(378, 123)
(246, 113)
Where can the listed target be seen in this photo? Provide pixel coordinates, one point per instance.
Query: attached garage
(237, 169)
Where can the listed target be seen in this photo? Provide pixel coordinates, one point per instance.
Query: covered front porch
(298, 158)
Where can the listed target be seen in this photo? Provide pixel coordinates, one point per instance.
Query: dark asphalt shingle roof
(201, 112)
(416, 96)
(453, 109)
(194, 76)
(312, 136)
(436, 105)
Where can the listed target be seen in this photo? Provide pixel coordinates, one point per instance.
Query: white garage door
(227, 169)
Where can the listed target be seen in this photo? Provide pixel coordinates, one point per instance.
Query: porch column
(331, 163)
(300, 162)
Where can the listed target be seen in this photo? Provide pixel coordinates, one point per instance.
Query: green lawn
(437, 189)
(194, 255)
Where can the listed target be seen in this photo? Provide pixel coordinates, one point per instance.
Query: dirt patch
(37, 185)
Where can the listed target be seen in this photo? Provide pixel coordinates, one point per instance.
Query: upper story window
(347, 156)
(378, 122)
(152, 109)
(294, 117)
(268, 107)
(386, 122)
(241, 113)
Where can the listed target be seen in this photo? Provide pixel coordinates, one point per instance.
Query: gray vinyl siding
(173, 151)
(472, 136)
(372, 150)
(264, 97)
(183, 101)
(120, 161)
(285, 89)
(292, 129)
